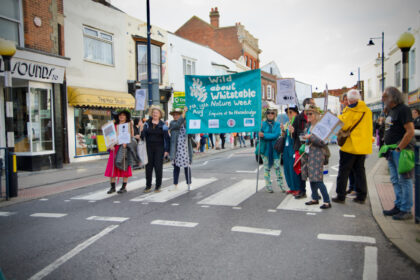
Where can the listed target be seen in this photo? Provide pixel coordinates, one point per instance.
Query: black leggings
(155, 152)
(187, 171)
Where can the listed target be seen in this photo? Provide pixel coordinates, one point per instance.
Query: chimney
(214, 17)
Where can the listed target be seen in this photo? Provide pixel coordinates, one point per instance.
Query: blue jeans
(321, 186)
(403, 187)
(241, 140)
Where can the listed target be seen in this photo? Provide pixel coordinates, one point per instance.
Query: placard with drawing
(326, 126)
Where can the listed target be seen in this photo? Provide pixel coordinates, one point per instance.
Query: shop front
(376, 109)
(89, 109)
(38, 95)
(414, 99)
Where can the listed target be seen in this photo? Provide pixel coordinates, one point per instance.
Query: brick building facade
(268, 86)
(233, 42)
(38, 82)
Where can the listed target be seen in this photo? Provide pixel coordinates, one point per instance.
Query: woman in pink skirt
(111, 170)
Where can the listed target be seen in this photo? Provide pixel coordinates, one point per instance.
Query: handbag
(406, 162)
(142, 152)
(279, 145)
(342, 135)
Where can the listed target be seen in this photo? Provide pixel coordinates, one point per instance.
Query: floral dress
(182, 157)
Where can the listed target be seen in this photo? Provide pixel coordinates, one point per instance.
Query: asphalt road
(221, 229)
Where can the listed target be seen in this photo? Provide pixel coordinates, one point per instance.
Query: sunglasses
(270, 113)
(309, 114)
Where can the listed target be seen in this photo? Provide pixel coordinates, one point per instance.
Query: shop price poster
(223, 104)
(110, 135)
(124, 135)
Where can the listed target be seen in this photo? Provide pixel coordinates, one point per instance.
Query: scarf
(270, 145)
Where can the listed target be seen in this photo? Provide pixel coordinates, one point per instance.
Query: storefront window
(32, 117)
(88, 126)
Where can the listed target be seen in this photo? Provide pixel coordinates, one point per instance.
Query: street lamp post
(371, 43)
(7, 50)
(405, 42)
(149, 63)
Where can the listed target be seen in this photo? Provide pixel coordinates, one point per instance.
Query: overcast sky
(314, 41)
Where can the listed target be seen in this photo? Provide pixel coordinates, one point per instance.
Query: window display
(88, 126)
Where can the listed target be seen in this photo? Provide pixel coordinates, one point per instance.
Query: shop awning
(78, 96)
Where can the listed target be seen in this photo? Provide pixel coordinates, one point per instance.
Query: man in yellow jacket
(356, 116)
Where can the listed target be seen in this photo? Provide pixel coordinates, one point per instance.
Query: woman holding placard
(313, 159)
(112, 170)
(155, 132)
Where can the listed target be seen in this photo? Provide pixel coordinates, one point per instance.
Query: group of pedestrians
(302, 152)
(304, 155)
(161, 141)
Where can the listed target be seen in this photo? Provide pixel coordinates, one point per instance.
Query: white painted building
(188, 58)
(371, 74)
(333, 104)
(96, 75)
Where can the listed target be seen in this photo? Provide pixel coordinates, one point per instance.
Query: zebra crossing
(231, 196)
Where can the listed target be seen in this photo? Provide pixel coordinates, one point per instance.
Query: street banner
(223, 104)
(326, 98)
(179, 99)
(286, 93)
(140, 99)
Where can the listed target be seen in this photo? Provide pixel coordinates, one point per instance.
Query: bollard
(13, 178)
(1, 173)
(416, 185)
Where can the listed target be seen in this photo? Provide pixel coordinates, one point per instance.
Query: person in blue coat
(269, 134)
(292, 178)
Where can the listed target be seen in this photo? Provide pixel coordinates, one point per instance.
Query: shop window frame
(101, 39)
(21, 31)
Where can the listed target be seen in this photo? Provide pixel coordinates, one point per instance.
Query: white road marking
(145, 203)
(370, 269)
(67, 200)
(48, 215)
(205, 206)
(43, 199)
(92, 201)
(264, 231)
(311, 214)
(349, 216)
(6, 214)
(248, 171)
(272, 210)
(290, 203)
(174, 223)
(117, 201)
(236, 208)
(166, 195)
(108, 219)
(347, 238)
(230, 156)
(101, 194)
(233, 195)
(53, 266)
(175, 204)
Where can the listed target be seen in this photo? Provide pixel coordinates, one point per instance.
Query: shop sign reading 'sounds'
(35, 71)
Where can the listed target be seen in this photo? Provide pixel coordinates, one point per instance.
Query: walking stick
(258, 163)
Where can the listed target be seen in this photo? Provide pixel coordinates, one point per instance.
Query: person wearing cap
(181, 151)
(112, 170)
(155, 133)
(292, 178)
(269, 134)
(312, 160)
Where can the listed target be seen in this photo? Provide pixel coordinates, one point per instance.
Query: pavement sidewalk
(405, 235)
(33, 185)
